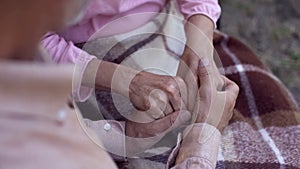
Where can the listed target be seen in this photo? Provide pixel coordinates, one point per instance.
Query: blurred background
(271, 28)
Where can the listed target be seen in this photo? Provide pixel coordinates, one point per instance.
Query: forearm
(108, 76)
(199, 33)
(203, 23)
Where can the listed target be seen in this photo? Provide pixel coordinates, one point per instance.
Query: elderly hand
(158, 127)
(160, 95)
(214, 106)
(142, 136)
(156, 95)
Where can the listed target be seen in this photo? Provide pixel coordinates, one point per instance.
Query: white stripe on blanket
(251, 68)
(271, 143)
(251, 102)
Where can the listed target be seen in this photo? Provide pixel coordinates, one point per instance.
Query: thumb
(231, 87)
(204, 71)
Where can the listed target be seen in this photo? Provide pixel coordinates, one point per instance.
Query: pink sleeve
(62, 51)
(209, 8)
(199, 148)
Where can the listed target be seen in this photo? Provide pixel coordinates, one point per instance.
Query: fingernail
(204, 62)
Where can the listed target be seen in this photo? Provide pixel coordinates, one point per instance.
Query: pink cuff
(62, 51)
(81, 93)
(209, 8)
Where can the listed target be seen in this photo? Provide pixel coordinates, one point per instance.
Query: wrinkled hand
(142, 136)
(187, 70)
(158, 127)
(156, 94)
(215, 106)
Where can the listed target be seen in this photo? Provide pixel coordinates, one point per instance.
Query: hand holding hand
(157, 94)
(158, 127)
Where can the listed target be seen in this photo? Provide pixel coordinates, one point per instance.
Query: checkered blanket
(264, 131)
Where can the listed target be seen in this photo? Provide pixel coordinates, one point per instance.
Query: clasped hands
(201, 96)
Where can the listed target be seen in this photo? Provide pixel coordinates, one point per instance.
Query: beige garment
(37, 129)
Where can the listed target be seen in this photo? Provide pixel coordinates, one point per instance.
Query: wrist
(115, 77)
(199, 33)
(203, 23)
(122, 79)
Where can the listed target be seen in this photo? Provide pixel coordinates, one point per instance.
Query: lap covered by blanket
(264, 131)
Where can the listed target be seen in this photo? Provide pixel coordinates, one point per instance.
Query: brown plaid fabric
(264, 131)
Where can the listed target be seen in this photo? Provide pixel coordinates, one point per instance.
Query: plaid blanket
(264, 131)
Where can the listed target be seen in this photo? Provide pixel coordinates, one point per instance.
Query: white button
(61, 115)
(107, 127)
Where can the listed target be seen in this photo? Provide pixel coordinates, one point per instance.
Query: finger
(191, 90)
(155, 112)
(173, 121)
(188, 89)
(140, 117)
(218, 78)
(220, 84)
(227, 82)
(138, 103)
(231, 87)
(183, 118)
(183, 91)
(174, 97)
(188, 71)
(169, 109)
(158, 101)
(182, 69)
(187, 63)
(180, 97)
(204, 71)
(232, 91)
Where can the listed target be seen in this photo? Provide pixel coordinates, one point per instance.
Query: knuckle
(203, 73)
(236, 89)
(147, 104)
(179, 80)
(171, 87)
(231, 105)
(161, 96)
(172, 120)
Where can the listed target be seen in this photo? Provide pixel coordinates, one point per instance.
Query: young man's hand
(214, 106)
(199, 47)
